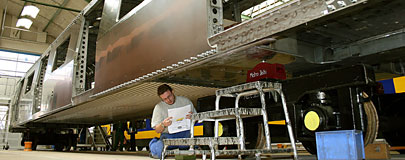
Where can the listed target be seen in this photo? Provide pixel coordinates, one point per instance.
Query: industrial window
(61, 53)
(29, 82)
(127, 6)
(15, 64)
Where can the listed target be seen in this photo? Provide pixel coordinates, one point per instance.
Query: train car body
(107, 64)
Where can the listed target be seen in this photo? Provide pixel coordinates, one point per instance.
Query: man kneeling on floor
(161, 121)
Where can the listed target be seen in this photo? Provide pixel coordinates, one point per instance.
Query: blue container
(342, 144)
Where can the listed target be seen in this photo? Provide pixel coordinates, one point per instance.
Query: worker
(161, 121)
(132, 132)
(119, 137)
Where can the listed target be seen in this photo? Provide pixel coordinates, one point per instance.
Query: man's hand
(188, 116)
(167, 121)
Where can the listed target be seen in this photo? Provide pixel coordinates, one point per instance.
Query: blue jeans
(156, 145)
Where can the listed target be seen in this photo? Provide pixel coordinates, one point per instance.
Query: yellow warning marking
(147, 134)
(198, 131)
(399, 84)
(280, 122)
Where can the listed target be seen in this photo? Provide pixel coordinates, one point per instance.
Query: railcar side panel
(157, 35)
(57, 85)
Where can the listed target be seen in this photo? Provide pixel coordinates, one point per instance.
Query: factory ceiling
(55, 15)
(50, 19)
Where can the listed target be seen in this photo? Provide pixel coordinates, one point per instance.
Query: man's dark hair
(163, 88)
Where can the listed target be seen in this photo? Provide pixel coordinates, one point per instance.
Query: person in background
(119, 129)
(132, 132)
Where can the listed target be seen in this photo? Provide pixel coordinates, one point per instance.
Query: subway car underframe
(338, 104)
(338, 99)
(316, 102)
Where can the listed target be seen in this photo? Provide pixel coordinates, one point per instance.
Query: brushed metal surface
(159, 34)
(110, 15)
(57, 85)
(26, 99)
(23, 110)
(136, 102)
(89, 8)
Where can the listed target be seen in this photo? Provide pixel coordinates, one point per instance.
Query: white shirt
(161, 110)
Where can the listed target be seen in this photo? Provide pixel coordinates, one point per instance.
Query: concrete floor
(102, 155)
(98, 155)
(54, 155)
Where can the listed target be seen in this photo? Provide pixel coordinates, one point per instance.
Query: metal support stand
(237, 113)
(288, 122)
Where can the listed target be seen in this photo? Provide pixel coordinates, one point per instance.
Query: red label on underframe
(266, 71)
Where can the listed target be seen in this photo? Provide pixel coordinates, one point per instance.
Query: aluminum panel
(57, 85)
(159, 34)
(25, 105)
(110, 15)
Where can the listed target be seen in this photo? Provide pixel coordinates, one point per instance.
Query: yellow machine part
(280, 122)
(399, 84)
(312, 121)
(198, 131)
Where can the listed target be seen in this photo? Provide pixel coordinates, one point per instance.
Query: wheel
(372, 121)
(254, 135)
(370, 133)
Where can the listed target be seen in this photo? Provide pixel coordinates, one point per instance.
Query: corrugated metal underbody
(134, 102)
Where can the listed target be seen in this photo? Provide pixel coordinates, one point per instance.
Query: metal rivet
(341, 3)
(331, 7)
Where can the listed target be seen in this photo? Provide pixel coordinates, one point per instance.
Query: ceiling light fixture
(30, 10)
(24, 22)
(27, 15)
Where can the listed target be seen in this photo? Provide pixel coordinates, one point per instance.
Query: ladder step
(229, 152)
(202, 141)
(247, 86)
(228, 113)
(253, 151)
